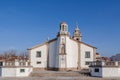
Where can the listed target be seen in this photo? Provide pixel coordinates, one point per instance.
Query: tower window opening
(77, 39)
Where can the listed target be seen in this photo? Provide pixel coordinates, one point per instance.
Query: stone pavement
(57, 75)
(59, 78)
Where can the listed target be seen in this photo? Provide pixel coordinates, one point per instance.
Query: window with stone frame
(1, 63)
(87, 54)
(38, 62)
(22, 70)
(38, 54)
(96, 70)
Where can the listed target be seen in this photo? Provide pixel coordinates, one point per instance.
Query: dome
(63, 24)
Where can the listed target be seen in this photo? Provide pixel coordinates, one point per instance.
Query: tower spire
(77, 28)
(77, 34)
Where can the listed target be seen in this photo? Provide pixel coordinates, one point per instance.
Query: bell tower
(63, 29)
(77, 34)
(62, 37)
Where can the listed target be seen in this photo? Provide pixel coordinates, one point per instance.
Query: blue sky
(25, 23)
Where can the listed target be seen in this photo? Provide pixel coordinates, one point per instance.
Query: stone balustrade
(101, 63)
(16, 63)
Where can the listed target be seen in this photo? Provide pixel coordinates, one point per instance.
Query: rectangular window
(22, 70)
(38, 54)
(1, 63)
(87, 63)
(96, 70)
(38, 62)
(87, 54)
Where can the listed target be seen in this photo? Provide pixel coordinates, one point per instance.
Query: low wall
(105, 71)
(111, 72)
(15, 71)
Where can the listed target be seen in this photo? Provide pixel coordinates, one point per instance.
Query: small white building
(105, 69)
(15, 69)
(63, 52)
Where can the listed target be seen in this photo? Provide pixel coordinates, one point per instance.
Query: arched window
(65, 28)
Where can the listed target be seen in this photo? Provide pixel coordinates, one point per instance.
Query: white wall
(43, 57)
(8, 72)
(62, 63)
(15, 72)
(85, 48)
(71, 57)
(57, 53)
(111, 71)
(52, 53)
(72, 53)
(26, 73)
(0, 71)
(106, 72)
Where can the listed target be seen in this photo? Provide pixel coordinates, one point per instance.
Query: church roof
(42, 44)
(88, 45)
(84, 43)
(56, 39)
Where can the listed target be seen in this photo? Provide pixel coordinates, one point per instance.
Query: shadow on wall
(0, 71)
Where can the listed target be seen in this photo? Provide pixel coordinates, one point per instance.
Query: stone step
(54, 74)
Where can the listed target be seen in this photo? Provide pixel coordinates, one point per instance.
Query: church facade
(63, 52)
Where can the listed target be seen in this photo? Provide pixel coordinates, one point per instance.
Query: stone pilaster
(94, 52)
(79, 57)
(47, 55)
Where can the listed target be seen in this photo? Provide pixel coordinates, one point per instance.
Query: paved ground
(58, 78)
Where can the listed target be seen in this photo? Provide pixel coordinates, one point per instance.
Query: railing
(15, 63)
(110, 64)
(100, 63)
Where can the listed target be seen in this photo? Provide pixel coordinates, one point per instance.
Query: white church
(63, 52)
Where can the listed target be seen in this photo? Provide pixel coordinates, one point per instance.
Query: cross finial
(77, 26)
(47, 38)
